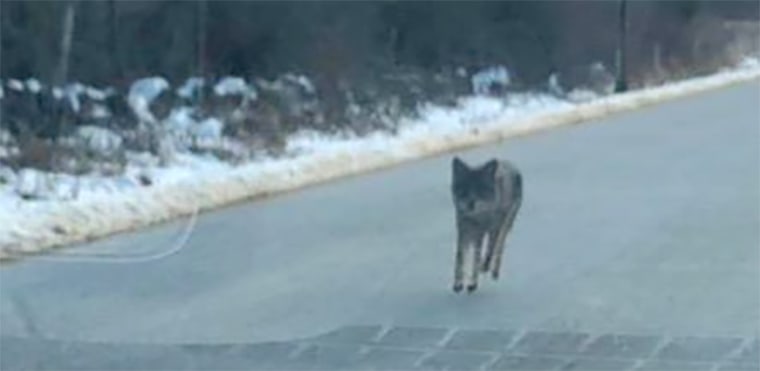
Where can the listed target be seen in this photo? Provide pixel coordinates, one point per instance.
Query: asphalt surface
(636, 248)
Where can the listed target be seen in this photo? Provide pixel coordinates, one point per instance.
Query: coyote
(486, 200)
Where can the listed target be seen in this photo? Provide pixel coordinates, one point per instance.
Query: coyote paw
(472, 287)
(485, 267)
(457, 287)
(495, 275)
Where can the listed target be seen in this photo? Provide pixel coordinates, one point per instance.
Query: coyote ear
(459, 166)
(490, 167)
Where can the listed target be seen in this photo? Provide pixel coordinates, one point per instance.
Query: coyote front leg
(476, 251)
(490, 248)
(501, 236)
(459, 263)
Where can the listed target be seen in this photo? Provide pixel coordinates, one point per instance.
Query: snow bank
(99, 140)
(33, 85)
(191, 87)
(72, 93)
(483, 81)
(231, 85)
(142, 93)
(197, 183)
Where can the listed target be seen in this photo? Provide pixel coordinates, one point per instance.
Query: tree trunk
(657, 62)
(621, 83)
(67, 34)
(117, 68)
(202, 20)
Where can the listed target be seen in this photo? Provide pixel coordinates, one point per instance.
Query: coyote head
(474, 188)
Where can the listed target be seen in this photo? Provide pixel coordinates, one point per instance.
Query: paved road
(641, 227)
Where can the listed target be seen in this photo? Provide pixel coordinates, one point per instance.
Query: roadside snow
(142, 93)
(301, 81)
(581, 95)
(15, 85)
(748, 62)
(100, 140)
(74, 209)
(230, 85)
(33, 85)
(31, 183)
(98, 94)
(483, 81)
(72, 92)
(190, 88)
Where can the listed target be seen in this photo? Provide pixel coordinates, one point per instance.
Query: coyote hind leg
(501, 236)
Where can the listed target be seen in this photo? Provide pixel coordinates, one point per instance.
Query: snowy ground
(87, 207)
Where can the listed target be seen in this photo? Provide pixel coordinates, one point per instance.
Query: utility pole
(621, 82)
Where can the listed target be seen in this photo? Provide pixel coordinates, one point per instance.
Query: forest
(331, 66)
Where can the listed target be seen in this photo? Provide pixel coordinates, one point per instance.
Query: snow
(185, 129)
(579, 95)
(180, 120)
(92, 206)
(230, 85)
(7, 175)
(148, 88)
(72, 92)
(15, 85)
(100, 111)
(482, 81)
(601, 80)
(190, 88)
(301, 81)
(31, 183)
(98, 94)
(208, 132)
(298, 93)
(57, 93)
(99, 140)
(5, 136)
(66, 187)
(35, 185)
(33, 85)
(142, 93)
(598, 67)
(140, 160)
(749, 62)
(554, 86)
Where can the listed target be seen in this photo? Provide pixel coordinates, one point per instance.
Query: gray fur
(486, 199)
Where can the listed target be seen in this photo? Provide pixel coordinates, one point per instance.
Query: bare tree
(621, 83)
(113, 41)
(67, 35)
(201, 33)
